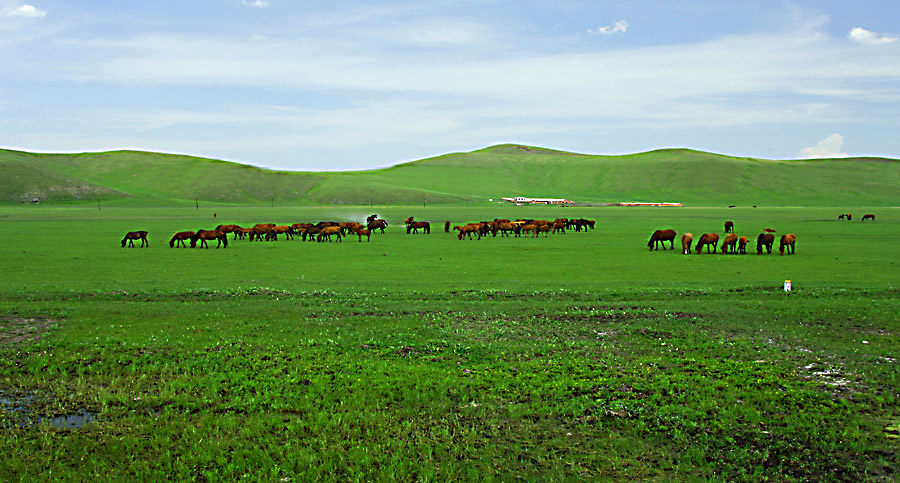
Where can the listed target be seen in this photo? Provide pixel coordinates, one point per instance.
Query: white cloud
(829, 147)
(255, 3)
(868, 37)
(23, 11)
(620, 27)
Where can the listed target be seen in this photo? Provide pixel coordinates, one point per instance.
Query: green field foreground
(426, 358)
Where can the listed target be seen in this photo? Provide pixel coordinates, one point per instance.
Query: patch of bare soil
(17, 330)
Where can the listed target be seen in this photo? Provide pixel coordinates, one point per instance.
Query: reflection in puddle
(23, 414)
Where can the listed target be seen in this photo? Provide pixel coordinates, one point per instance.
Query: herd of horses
(507, 227)
(730, 244)
(849, 217)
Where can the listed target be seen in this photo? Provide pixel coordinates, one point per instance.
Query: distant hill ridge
(683, 175)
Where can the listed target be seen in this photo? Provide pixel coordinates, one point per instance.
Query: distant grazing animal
(285, 230)
(686, 241)
(868, 217)
(729, 227)
(742, 245)
(377, 224)
(764, 240)
(842, 216)
(261, 230)
(849, 217)
(731, 206)
(413, 227)
(131, 236)
(446, 227)
(787, 241)
(560, 227)
(203, 235)
(179, 238)
(710, 240)
(662, 236)
(729, 243)
(768, 230)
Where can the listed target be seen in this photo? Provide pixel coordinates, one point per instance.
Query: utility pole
(98, 204)
(196, 203)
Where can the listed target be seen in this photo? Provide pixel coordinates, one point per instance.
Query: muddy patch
(17, 330)
(20, 410)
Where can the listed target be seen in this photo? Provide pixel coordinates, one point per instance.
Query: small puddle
(23, 414)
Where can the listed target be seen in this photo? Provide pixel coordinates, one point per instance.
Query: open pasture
(425, 357)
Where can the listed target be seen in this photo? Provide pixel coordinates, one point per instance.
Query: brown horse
(377, 224)
(842, 216)
(261, 230)
(559, 227)
(729, 227)
(204, 235)
(131, 236)
(769, 230)
(325, 233)
(285, 230)
(764, 240)
(686, 241)
(179, 238)
(868, 217)
(787, 241)
(710, 240)
(467, 230)
(229, 229)
(413, 227)
(662, 236)
(729, 243)
(446, 227)
(363, 232)
(742, 245)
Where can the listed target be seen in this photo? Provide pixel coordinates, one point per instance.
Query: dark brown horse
(229, 229)
(868, 217)
(204, 235)
(377, 224)
(446, 227)
(729, 227)
(764, 240)
(179, 238)
(787, 241)
(662, 236)
(131, 236)
(710, 241)
(414, 226)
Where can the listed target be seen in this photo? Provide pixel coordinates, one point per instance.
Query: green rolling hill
(686, 176)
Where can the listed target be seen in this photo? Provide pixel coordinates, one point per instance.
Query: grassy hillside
(687, 176)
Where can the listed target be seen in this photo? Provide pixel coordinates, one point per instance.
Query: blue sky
(352, 85)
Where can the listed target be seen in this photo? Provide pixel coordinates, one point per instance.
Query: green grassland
(427, 358)
(691, 177)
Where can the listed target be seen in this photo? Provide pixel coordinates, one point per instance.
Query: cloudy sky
(352, 85)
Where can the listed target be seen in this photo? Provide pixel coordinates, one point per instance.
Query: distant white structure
(538, 201)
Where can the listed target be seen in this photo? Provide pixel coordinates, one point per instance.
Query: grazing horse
(377, 224)
(768, 230)
(742, 245)
(262, 229)
(204, 235)
(841, 216)
(414, 226)
(710, 240)
(868, 217)
(229, 229)
(849, 217)
(325, 233)
(560, 227)
(686, 241)
(787, 241)
(467, 230)
(764, 240)
(285, 230)
(179, 238)
(363, 232)
(662, 236)
(729, 243)
(131, 236)
(729, 227)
